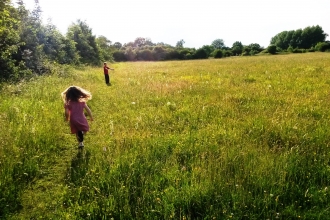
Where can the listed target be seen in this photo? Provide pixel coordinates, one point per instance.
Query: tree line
(27, 46)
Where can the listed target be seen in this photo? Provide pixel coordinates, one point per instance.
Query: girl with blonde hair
(75, 99)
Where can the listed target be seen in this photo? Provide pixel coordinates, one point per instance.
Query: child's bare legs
(80, 138)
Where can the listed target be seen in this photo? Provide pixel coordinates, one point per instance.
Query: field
(233, 138)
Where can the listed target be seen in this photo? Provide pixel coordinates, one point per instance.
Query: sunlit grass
(240, 138)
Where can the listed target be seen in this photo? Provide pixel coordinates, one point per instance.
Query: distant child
(75, 99)
(106, 73)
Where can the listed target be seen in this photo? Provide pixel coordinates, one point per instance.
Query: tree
(237, 48)
(130, 54)
(159, 53)
(180, 43)
(218, 53)
(209, 49)
(271, 49)
(104, 47)
(218, 44)
(255, 48)
(33, 38)
(323, 46)
(85, 42)
(144, 55)
(201, 54)
(9, 41)
(304, 39)
(117, 45)
(139, 42)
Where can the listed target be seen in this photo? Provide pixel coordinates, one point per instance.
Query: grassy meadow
(233, 138)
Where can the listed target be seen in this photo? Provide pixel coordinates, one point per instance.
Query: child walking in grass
(75, 99)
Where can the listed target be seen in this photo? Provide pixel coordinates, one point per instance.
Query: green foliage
(271, 49)
(180, 43)
(10, 41)
(208, 49)
(303, 39)
(201, 54)
(218, 54)
(85, 41)
(218, 44)
(117, 45)
(119, 56)
(237, 48)
(104, 48)
(146, 55)
(322, 46)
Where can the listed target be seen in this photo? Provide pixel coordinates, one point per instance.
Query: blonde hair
(76, 94)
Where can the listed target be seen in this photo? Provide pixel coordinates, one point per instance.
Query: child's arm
(66, 112)
(89, 112)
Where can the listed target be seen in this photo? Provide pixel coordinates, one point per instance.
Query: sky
(197, 22)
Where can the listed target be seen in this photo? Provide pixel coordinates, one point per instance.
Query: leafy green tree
(57, 47)
(130, 54)
(145, 54)
(237, 48)
(180, 43)
(209, 49)
(323, 46)
(117, 45)
(201, 54)
(105, 49)
(9, 40)
(10, 67)
(148, 42)
(173, 54)
(85, 42)
(255, 48)
(141, 42)
(271, 49)
(159, 53)
(304, 39)
(218, 53)
(33, 37)
(119, 56)
(218, 44)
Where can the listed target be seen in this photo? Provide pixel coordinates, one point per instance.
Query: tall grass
(234, 138)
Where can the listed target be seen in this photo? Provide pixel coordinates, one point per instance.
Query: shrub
(227, 53)
(271, 49)
(290, 49)
(322, 46)
(201, 54)
(119, 56)
(145, 55)
(218, 54)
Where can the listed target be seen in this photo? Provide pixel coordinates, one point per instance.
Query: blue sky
(197, 22)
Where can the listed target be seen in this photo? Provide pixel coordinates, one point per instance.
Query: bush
(201, 54)
(227, 53)
(218, 54)
(322, 46)
(145, 55)
(119, 56)
(290, 49)
(271, 49)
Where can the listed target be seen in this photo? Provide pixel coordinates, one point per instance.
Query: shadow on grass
(79, 167)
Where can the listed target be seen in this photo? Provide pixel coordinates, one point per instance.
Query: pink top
(78, 121)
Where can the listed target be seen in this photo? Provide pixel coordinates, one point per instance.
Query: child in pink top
(75, 99)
